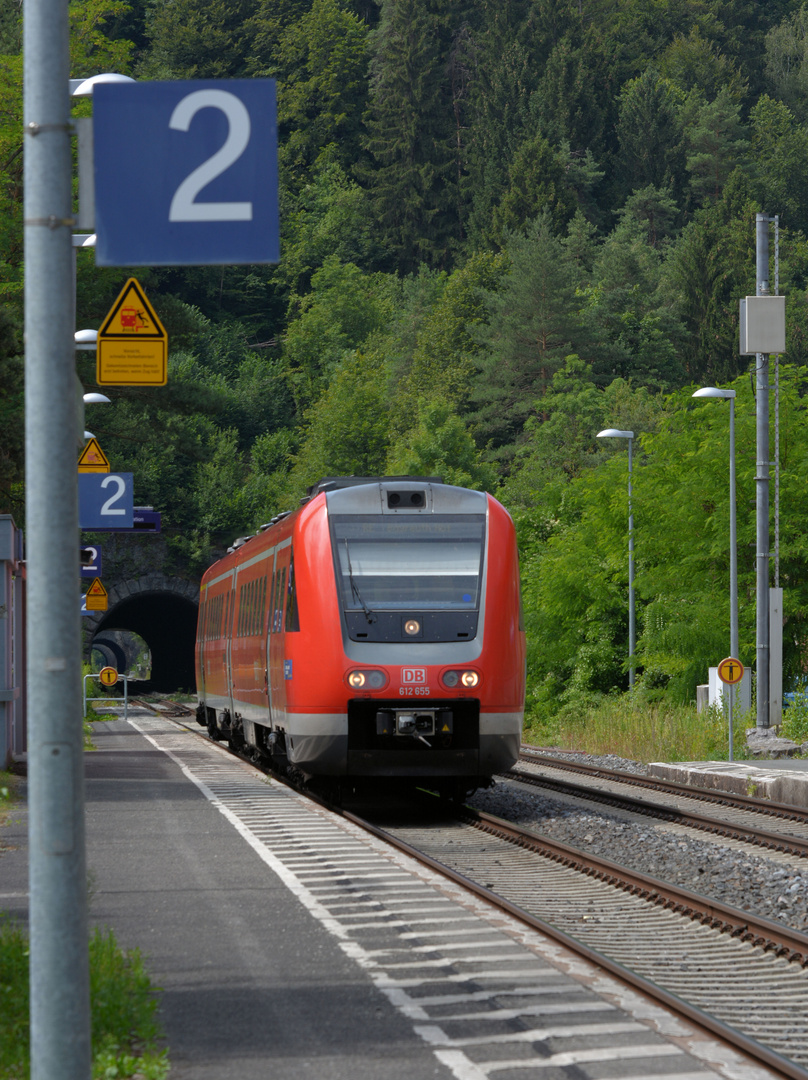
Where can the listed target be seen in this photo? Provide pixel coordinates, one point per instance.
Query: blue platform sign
(105, 501)
(186, 173)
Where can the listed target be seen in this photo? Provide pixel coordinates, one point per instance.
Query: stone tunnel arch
(163, 611)
(110, 650)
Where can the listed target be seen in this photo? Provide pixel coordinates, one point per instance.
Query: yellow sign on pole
(730, 671)
(108, 676)
(132, 346)
(93, 459)
(96, 598)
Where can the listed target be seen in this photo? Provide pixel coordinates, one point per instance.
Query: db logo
(413, 676)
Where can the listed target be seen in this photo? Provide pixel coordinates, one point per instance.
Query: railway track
(776, 826)
(742, 978)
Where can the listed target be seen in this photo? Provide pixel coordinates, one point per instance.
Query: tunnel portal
(163, 611)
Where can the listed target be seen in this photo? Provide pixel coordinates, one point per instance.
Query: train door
(203, 622)
(270, 619)
(276, 637)
(229, 608)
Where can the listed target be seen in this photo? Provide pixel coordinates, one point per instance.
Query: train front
(432, 648)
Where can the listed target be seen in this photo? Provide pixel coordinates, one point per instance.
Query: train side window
(251, 609)
(263, 610)
(271, 604)
(281, 597)
(292, 616)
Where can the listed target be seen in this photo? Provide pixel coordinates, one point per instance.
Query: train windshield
(390, 563)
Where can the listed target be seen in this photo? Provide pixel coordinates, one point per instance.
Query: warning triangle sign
(132, 316)
(93, 459)
(96, 596)
(96, 588)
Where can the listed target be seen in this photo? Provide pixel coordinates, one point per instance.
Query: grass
(123, 1008)
(630, 726)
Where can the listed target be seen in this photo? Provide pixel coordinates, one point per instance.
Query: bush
(123, 1010)
(795, 718)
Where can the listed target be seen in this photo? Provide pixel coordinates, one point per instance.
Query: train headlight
(412, 627)
(467, 679)
(368, 680)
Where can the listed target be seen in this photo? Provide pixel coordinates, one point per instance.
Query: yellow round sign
(730, 670)
(108, 676)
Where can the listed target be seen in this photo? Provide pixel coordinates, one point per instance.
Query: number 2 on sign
(184, 206)
(107, 508)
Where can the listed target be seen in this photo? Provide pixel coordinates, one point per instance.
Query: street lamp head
(614, 433)
(89, 435)
(96, 399)
(714, 392)
(84, 87)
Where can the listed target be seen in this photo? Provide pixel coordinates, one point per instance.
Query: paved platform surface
(783, 780)
(289, 944)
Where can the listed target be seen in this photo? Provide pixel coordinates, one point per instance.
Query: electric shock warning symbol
(132, 347)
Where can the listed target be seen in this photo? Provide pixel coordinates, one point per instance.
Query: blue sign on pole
(105, 501)
(186, 173)
(91, 562)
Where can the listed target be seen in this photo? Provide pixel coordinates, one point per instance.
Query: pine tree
(649, 134)
(412, 133)
(533, 325)
(717, 143)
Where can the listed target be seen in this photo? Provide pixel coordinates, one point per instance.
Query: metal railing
(121, 678)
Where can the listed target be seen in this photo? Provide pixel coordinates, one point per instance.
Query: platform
(783, 780)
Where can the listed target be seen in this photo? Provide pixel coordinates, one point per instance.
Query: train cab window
(430, 563)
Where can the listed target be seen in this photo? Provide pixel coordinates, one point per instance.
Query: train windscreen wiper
(369, 615)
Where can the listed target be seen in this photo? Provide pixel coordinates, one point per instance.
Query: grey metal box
(763, 325)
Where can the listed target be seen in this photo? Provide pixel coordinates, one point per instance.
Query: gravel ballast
(774, 887)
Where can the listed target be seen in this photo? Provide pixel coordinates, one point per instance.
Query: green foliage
(795, 718)
(533, 323)
(717, 143)
(441, 445)
(649, 133)
(123, 1009)
(637, 727)
(347, 431)
(320, 62)
(410, 125)
(787, 61)
(198, 39)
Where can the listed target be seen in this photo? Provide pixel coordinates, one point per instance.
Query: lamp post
(616, 433)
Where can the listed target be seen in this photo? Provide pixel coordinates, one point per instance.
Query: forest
(506, 225)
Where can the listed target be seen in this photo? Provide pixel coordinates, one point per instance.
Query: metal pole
(762, 488)
(60, 1027)
(733, 541)
(631, 621)
(731, 696)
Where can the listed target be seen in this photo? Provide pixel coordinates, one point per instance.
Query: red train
(374, 632)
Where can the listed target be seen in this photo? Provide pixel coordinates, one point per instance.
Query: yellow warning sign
(96, 598)
(132, 346)
(108, 676)
(93, 459)
(730, 671)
